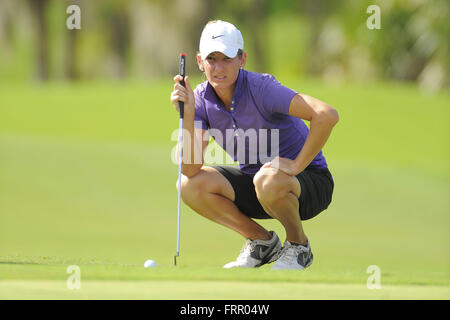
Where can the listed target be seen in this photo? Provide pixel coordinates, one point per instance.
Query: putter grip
(182, 74)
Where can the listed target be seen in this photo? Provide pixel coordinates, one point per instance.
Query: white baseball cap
(220, 36)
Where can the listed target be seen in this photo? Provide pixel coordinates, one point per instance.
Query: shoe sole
(307, 265)
(269, 259)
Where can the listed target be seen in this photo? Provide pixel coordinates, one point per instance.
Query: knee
(270, 185)
(190, 188)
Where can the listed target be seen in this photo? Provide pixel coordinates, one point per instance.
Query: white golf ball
(150, 263)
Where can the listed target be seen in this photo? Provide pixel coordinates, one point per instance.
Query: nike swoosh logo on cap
(215, 37)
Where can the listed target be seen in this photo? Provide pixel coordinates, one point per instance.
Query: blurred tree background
(141, 39)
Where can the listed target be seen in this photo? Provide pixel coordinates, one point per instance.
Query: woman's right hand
(184, 94)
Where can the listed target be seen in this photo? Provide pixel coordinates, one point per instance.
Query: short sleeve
(200, 119)
(276, 98)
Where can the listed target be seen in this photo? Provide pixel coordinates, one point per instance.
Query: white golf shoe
(293, 256)
(255, 253)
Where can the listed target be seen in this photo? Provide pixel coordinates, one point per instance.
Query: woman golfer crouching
(292, 187)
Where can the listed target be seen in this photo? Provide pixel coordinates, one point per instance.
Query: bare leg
(211, 195)
(278, 193)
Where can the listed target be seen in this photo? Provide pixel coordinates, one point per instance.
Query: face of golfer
(221, 71)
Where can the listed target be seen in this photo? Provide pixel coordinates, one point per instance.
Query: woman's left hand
(286, 165)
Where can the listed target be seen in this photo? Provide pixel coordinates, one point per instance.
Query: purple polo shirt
(258, 126)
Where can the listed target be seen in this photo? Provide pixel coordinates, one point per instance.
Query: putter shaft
(180, 153)
(180, 158)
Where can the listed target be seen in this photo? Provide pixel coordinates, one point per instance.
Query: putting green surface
(212, 290)
(87, 180)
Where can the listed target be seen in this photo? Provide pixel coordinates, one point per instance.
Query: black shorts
(316, 192)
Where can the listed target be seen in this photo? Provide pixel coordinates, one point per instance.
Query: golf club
(180, 154)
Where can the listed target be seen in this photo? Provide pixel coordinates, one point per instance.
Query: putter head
(175, 259)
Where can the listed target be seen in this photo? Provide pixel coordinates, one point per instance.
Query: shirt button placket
(232, 113)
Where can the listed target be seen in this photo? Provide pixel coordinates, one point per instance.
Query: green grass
(157, 290)
(86, 179)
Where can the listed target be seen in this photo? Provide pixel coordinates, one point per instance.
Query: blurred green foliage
(142, 38)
